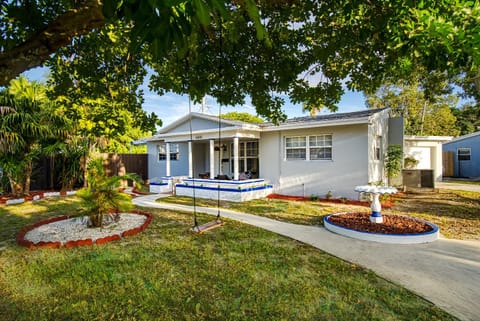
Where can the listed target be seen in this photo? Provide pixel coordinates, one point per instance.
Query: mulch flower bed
(392, 224)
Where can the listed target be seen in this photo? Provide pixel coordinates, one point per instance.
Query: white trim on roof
(464, 137)
(202, 116)
(428, 138)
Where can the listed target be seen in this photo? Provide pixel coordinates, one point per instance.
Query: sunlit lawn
(297, 212)
(236, 272)
(457, 213)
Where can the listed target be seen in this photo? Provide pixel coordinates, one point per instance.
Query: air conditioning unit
(418, 178)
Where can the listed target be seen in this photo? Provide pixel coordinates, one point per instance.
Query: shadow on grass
(14, 217)
(444, 204)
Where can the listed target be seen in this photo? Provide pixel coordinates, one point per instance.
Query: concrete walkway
(458, 186)
(445, 272)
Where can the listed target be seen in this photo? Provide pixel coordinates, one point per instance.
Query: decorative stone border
(74, 243)
(427, 237)
(35, 197)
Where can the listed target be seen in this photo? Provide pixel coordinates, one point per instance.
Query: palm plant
(27, 121)
(102, 196)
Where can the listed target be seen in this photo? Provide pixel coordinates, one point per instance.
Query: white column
(212, 159)
(235, 158)
(190, 160)
(167, 153)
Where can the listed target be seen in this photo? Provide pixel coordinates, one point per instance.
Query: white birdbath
(376, 191)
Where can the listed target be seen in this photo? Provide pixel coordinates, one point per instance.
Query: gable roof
(186, 118)
(467, 136)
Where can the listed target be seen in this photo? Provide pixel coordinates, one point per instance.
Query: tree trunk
(28, 176)
(84, 17)
(96, 220)
(15, 186)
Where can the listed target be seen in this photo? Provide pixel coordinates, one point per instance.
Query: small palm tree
(103, 197)
(26, 122)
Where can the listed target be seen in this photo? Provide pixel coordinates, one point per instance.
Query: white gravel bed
(74, 229)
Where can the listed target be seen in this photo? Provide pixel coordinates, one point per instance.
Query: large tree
(229, 49)
(424, 114)
(96, 81)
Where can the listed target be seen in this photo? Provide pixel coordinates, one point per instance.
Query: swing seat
(207, 226)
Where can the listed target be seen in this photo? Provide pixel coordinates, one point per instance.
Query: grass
(237, 272)
(297, 212)
(457, 213)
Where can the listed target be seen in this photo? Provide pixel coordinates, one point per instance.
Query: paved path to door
(445, 272)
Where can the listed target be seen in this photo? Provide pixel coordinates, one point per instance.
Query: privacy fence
(46, 175)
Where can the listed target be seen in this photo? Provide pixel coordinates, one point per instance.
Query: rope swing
(217, 222)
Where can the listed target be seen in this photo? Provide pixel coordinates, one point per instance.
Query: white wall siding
(339, 176)
(377, 127)
(197, 124)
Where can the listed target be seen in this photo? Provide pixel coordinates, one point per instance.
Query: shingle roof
(329, 117)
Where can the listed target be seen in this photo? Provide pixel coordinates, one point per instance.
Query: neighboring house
(466, 155)
(427, 150)
(303, 156)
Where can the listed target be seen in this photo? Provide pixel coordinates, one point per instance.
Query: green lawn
(297, 212)
(236, 272)
(457, 213)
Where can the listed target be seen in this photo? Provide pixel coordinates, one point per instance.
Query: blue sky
(169, 107)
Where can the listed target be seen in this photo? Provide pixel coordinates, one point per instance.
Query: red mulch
(392, 224)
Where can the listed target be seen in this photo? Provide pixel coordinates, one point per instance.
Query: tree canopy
(424, 113)
(96, 81)
(309, 50)
(245, 117)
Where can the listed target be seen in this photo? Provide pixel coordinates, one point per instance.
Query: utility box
(418, 178)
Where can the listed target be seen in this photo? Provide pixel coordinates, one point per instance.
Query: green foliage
(103, 195)
(245, 117)
(393, 161)
(96, 81)
(468, 118)
(410, 162)
(424, 112)
(26, 126)
(307, 50)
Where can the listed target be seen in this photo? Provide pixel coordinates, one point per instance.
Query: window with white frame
(174, 152)
(320, 147)
(377, 148)
(296, 147)
(315, 147)
(463, 154)
(248, 157)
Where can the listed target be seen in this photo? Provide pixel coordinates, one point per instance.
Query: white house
(303, 156)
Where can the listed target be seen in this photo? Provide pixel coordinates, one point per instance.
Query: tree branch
(84, 17)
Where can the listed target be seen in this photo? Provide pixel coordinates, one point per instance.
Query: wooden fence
(46, 176)
(120, 164)
(448, 159)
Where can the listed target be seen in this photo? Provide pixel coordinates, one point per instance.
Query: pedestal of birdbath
(376, 191)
